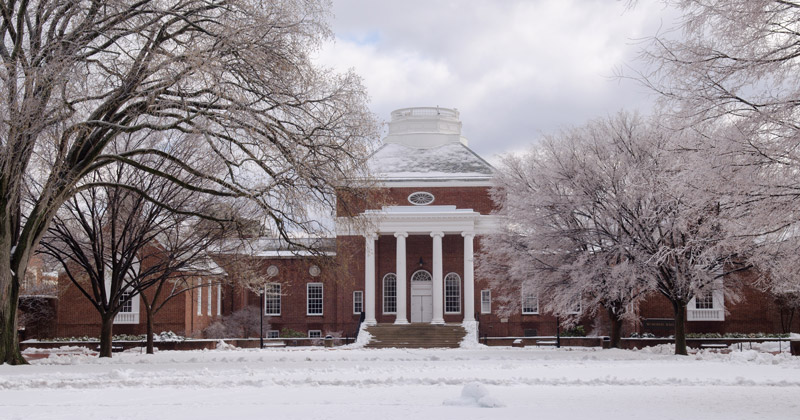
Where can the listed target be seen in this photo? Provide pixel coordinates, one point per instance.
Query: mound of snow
(470, 340)
(363, 339)
(659, 349)
(222, 345)
(474, 394)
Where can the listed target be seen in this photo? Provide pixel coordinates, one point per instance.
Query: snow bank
(61, 350)
(222, 345)
(474, 394)
(363, 339)
(470, 340)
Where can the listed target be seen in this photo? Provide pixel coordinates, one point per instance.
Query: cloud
(515, 69)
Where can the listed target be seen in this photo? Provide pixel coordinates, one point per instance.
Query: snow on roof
(279, 248)
(425, 143)
(206, 266)
(395, 161)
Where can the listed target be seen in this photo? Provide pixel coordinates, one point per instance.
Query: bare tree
(113, 243)
(732, 72)
(233, 76)
(604, 213)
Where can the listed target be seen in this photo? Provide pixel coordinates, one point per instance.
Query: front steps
(415, 336)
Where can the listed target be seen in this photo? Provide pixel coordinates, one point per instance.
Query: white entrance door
(421, 297)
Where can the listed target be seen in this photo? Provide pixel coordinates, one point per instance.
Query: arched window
(421, 275)
(390, 293)
(452, 293)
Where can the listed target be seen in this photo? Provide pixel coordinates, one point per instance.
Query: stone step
(415, 336)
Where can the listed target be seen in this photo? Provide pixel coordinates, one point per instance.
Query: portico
(427, 289)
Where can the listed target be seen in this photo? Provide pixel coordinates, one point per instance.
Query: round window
(314, 271)
(420, 198)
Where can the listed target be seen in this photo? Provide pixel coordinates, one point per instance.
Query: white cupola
(425, 127)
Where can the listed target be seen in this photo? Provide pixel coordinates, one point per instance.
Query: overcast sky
(514, 69)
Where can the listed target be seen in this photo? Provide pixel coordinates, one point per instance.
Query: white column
(438, 289)
(469, 277)
(210, 290)
(219, 299)
(200, 296)
(401, 278)
(369, 280)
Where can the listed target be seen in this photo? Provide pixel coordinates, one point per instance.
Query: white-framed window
(126, 302)
(530, 301)
(272, 299)
(421, 275)
(358, 302)
(704, 300)
(129, 308)
(273, 334)
(576, 306)
(314, 334)
(421, 198)
(486, 301)
(707, 305)
(314, 297)
(390, 294)
(452, 293)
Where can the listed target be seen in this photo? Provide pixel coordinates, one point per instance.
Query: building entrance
(421, 297)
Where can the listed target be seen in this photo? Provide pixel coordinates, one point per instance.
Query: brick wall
(476, 198)
(755, 312)
(293, 276)
(76, 315)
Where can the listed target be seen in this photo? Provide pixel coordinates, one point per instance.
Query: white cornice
(423, 220)
(422, 183)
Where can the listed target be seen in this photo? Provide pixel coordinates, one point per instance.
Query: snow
(344, 383)
(449, 161)
(470, 339)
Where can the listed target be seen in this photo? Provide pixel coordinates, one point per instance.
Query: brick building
(412, 261)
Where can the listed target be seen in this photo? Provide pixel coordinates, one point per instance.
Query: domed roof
(425, 144)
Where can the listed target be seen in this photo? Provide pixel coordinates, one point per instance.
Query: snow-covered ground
(471, 383)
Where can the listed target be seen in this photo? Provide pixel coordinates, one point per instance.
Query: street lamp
(261, 318)
(558, 332)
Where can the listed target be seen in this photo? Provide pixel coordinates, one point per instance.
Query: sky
(514, 69)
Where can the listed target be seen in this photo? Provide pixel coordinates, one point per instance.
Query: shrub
(243, 323)
(576, 331)
(290, 333)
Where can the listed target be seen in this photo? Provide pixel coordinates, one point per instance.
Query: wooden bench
(551, 343)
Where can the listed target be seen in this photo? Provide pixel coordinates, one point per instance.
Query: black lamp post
(558, 333)
(261, 318)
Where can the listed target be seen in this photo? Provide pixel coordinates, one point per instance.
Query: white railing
(705, 314)
(418, 112)
(127, 318)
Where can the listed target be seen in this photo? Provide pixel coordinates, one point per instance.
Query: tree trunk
(149, 313)
(616, 328)
(680, 327)
(106, 332)
(9, 301)
(787, 316)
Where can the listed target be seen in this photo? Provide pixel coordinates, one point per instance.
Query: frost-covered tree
(606, 212)
(731, 71)
(234, 75)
